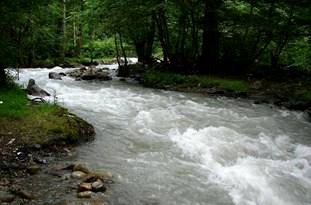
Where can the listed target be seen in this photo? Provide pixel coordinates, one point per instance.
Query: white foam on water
(257, 155)
(250, 169)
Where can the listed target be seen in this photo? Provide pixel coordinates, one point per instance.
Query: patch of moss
(39, 124)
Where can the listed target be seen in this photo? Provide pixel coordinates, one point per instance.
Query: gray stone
(98, 186)
(84, 187)
(77, 174)
(85, 194)
(80, 167)
(35, 90)
(55, 76)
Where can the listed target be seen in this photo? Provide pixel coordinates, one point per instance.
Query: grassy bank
(41, 124)
(290, 91)
(162, 79)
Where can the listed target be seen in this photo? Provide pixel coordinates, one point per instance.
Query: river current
(168, 148)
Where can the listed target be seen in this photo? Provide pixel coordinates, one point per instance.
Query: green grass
(35, 123)
(13, 102)
(165, 79)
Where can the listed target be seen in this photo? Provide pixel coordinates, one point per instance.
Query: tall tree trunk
(195, 37)
(144, 45)
(163, 34)
(80, 29)
(123, 50)
(117, 49)
(211, 36)
(64, 27)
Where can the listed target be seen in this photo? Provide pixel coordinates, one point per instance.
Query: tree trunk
(144, 46)
(163, 34)
(211, 36)
(80, 30)
(123, 50)
(64, 25)
(117, 49)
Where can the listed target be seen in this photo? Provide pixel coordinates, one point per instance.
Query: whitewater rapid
(175, 148)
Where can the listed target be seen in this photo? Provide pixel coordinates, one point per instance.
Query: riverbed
(168, 148)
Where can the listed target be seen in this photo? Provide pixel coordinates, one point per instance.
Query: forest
(172, 101)
(187, 36)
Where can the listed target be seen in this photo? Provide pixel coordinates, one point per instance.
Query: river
(168, 148)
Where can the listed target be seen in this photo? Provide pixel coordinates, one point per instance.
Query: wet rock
(84, 187)
(90, 178)
(6, 197)
(35, 90)
(34, 169)
(85, 194)
(80, 167)
(78, 174)
(55, 76)
(98, 186)
(39, 160)
(90, 74)
(103, 174)
(62, 74)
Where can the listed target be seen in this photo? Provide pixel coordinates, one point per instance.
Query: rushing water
(175, 148)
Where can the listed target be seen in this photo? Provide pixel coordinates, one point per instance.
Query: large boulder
(35, 90)
(55, 76)
(90, 74)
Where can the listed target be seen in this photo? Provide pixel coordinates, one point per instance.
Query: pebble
(77, 174)
(98, 186)
(84, 187)
(85, 194)
(80, 167)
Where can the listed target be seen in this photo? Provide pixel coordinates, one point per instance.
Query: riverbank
(287, 91)
(32, 136)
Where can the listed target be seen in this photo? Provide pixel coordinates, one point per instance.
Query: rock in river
(78, 175)
(90, 74)
(84, 187)
(85, 194)
(98, 186)
(55, 76)
(35, 90)
(81, 168)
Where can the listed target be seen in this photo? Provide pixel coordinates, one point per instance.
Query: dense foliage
(202, 36)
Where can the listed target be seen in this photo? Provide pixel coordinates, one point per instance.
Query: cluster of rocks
(9, 193)
(91, 182)
(90, 73)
